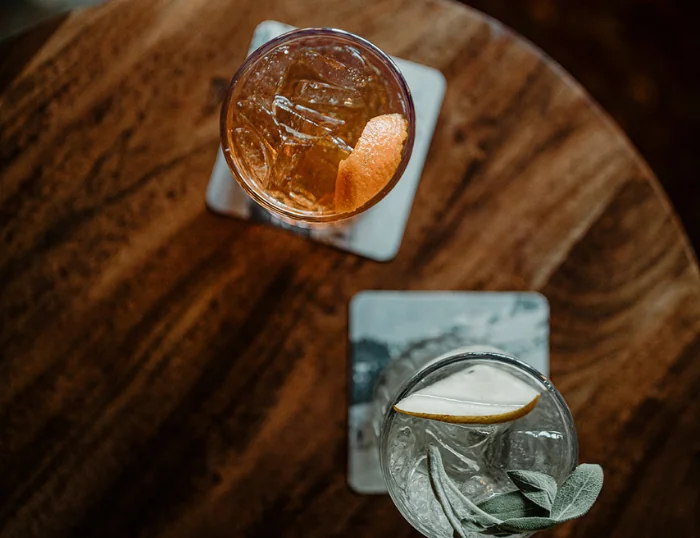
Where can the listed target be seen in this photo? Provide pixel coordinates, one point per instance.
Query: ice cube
(270, 72)
(314, 93)
(331, 70)
(347, 55)
(402, 454)
(317, 170)
(302, 197)
(335, 144)
(302, 124)
(288, 157)
(463, 463)
(252, 153)
(259, 116)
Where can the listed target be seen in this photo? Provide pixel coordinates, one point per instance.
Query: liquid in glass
(297, 108)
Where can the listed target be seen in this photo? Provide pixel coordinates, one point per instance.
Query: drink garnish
(517, 511)
(480, 394)
(372, 163)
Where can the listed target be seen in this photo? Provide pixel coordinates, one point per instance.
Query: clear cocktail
(475, 456)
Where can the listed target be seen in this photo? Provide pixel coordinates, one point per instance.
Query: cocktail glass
(476, 456)
(296, 108)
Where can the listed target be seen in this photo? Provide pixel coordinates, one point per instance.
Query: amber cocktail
(318, 125)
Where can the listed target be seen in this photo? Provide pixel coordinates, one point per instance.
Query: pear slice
(480, 394)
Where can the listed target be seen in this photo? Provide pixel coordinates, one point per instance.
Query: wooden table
(169, 373)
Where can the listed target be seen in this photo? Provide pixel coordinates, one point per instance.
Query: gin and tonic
(476, 457)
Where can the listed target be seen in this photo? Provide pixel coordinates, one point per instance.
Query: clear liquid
(476, 458)
(300, 112)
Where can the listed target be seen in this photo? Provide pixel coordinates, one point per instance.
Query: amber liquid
(300, 112)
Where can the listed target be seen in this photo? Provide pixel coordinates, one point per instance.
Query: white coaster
(378, 232)
(388, 325)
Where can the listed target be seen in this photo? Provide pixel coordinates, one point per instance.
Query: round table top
(171, 373)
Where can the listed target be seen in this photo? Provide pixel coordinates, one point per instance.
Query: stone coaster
(390, 325)
(378, 232)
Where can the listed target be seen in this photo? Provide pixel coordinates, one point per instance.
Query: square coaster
(387, 325)
(378, 232)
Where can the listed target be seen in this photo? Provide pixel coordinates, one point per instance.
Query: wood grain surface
(169, 373)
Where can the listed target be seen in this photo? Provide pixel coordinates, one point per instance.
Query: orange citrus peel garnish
(373, 162)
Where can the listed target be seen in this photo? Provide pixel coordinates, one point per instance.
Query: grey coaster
(388, 325)
(377, 233)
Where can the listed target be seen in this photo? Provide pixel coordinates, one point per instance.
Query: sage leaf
(578, 492)
(495, 530)
(471, 526)
(528, 524)
(437, 468)
(541, 498)
(437, 475)
(513, 504)
(540, 488)
(535, 506)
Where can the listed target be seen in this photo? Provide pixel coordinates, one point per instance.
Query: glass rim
(460, 356)
(257, 194)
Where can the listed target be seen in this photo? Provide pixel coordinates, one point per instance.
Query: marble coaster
(378, 232)
(388, 325)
